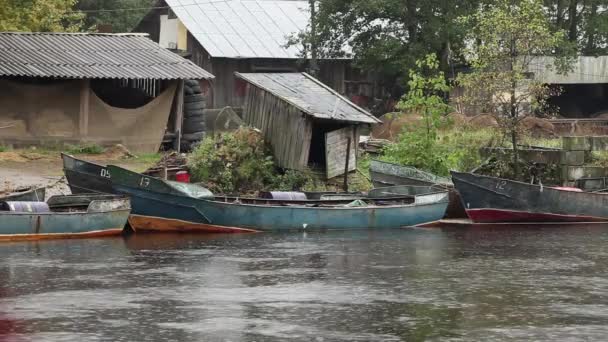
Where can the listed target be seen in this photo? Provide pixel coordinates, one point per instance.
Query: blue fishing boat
(72, 216)
(164, 204)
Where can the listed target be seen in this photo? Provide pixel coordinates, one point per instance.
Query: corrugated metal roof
(243, 28)
(310, 96)
(91, 55)
(586, 69)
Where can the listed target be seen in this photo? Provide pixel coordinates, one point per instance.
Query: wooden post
(346, 165)
(179, 116)
(83, 118)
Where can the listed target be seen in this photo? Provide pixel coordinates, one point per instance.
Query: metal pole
(346, 165)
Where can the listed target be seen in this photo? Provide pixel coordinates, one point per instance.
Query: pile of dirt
(116, 152)
(483, 121)
(458, 119)
(11, 156)
(393, 123)
(538, 127)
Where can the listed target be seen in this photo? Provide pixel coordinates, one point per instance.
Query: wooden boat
(72, 216)
(86, 177)
(169, 204)
(385, 174)
(489, 200)
(24, 194)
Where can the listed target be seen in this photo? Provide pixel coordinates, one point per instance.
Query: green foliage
(236, 162)
(113, 12)
(388, 36)
(85, 149)
(510, 36)
(3, 148)
(39, 16)
(418, 146)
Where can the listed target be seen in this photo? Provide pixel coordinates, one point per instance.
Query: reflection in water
(492, 284)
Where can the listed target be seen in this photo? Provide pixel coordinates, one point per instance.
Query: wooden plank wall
(336, 143)
(285, 127)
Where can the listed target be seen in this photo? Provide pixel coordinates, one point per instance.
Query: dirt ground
(22, 168)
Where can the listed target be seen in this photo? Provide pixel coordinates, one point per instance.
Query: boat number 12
(105, 173)
(144, 182)
(501, 185)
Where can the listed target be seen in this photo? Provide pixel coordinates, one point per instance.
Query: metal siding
(245, 28)
(65, 55)
(586, 69)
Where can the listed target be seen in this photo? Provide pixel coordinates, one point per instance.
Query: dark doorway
(316, 156)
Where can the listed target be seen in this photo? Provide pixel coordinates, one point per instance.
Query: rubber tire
(193, 127)
(194, 116)
(194, 98)
(188, 91)
(198, 136)
(193, 106)
(191, 82)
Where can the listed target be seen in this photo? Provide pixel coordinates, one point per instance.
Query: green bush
(234, 162)
(3, 148)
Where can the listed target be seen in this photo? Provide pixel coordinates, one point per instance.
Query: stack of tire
(194, 119)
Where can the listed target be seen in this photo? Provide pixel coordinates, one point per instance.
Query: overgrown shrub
(234, 162)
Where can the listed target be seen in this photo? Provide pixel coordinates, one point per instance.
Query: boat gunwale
(543, 187)
(410, 205)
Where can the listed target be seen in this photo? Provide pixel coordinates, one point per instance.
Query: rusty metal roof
(309, 95)
(91, 55)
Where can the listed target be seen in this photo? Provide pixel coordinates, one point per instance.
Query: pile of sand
(116, 152)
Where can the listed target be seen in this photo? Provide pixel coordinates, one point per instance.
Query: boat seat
(24, 207)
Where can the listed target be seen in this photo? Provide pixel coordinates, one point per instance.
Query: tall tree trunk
(590, 28)
(559, 14)
(313, 67)
(573, 21)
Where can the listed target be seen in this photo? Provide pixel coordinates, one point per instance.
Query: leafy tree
(388, 36)
(507, 38)
(39, 15)
(584, 21)
(123, 15)
(418, 146)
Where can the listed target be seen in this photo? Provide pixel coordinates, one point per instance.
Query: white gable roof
(244, 28)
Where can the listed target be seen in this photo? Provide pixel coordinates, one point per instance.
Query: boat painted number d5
(144, 182)
(105, 173)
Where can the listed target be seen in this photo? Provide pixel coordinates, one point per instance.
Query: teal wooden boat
(165, 204)
(72, 216)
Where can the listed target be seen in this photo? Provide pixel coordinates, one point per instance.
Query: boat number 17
(144, 182)
(501, 185)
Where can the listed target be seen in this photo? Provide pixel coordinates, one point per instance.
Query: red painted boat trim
(152, 224)
(487, 215)
(50, 236)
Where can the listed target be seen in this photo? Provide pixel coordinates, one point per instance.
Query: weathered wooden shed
(307, 123)
(224, 37)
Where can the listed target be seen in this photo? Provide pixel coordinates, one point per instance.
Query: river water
(396, 285)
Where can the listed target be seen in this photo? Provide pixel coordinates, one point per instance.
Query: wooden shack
(224, 37)
(307, 123)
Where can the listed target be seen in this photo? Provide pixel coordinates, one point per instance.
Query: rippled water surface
(400, 285)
